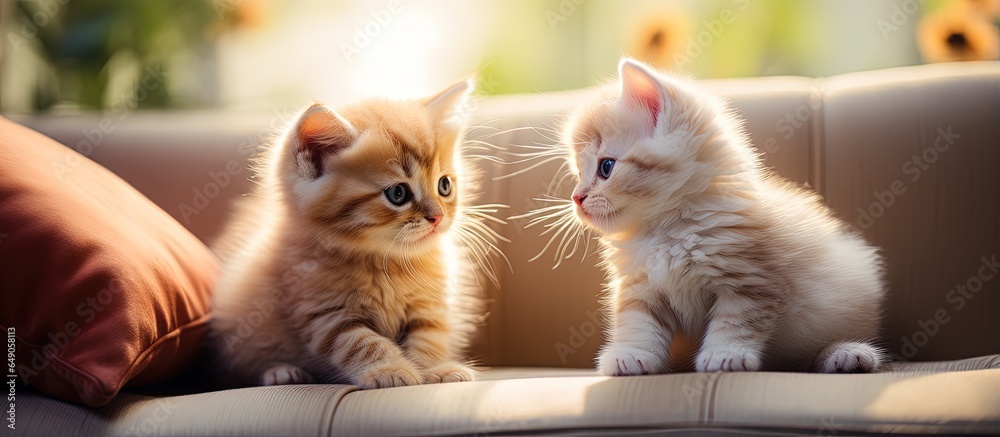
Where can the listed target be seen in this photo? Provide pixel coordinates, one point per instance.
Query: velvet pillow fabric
(100, 287)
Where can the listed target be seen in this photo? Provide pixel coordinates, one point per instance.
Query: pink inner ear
(651, 101)
(640, 89)
(322, 132)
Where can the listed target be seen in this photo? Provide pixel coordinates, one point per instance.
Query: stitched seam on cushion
(64, 365)
(713, 382)
(336, 406)
(203, 320)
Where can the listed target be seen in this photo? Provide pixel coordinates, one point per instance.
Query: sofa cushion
(283, 410)
(99, 286)
(914, 398)
(948, 397)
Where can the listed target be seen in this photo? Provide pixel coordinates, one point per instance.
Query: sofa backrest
(910, 156)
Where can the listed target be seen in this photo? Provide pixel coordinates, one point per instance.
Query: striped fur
(326, 280)
(699, 240)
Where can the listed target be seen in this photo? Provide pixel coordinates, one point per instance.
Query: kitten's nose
(579, 198)
(434, 219)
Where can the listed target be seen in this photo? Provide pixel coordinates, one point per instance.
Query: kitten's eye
(444, 186)
(605, 166)
(398, 194)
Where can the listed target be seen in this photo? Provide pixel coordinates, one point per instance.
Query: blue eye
(604, 167)
(398, 194)
(444, 186)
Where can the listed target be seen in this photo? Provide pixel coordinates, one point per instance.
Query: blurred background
(251, 55)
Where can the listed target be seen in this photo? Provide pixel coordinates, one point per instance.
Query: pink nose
(579, 198)
(435, 219)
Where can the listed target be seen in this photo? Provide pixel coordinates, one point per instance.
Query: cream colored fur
(700, 241)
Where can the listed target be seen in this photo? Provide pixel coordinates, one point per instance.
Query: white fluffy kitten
(701, 241)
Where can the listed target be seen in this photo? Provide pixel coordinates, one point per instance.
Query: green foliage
(81, 43)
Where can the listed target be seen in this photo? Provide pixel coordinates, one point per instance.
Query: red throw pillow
(100, 287)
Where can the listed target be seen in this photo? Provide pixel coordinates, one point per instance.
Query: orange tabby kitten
(338, 268)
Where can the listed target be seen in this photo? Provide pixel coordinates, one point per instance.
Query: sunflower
(250, 13)
(958, 33)
(658, 38)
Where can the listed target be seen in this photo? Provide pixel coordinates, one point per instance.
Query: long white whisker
(470, 256)
(561, 174)
(479, 254)
(385, 258)
(489, 158)
(482, 143)
(564, 229)
(516, 129)
(558, 230)
(576, 243)
(589, 238)
(562, 212)
(486, 217)
(560, 223)
(529, 168)
(563, 243)
(537, 211)
(490, 236)
(483, 228)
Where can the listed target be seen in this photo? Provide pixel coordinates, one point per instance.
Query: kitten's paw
(623, 360)
(397, 373)
(723, 359)
(850, 357)
(283, 373)
(448, 372)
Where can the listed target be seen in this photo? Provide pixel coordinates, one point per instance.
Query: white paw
(624, 360)
(852, 358)
(723, 359)
(280, 374)
(448, 372)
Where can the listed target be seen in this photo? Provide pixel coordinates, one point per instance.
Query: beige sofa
(911, 156)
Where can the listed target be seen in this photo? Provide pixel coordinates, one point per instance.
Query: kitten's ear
(641, 88)
(449, 102)
(319, 132)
